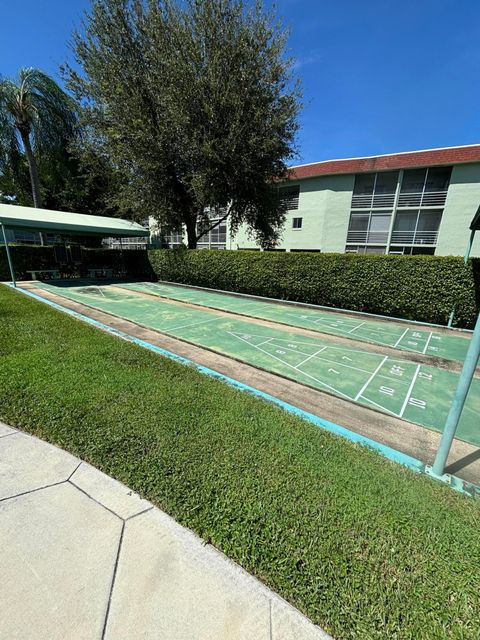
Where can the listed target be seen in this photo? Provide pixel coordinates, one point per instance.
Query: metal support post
(9, 257)
(466, 377)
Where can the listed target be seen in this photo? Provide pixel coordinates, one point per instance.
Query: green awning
(31, 219)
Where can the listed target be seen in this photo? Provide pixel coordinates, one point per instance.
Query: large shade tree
(37, 118)
(196, 104)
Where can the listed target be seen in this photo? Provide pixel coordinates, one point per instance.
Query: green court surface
(414, 392)
(401, 336)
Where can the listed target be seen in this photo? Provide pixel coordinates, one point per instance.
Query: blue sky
(378, 76)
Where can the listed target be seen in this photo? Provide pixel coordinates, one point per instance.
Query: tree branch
(213, 226)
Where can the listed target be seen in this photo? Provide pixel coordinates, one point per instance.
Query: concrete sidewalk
(83, 557)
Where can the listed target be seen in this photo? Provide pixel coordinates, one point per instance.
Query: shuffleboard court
(400, 336)
(416, 393)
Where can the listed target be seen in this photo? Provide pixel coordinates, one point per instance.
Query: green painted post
(466, 377)
(9, 258)
(469, 246)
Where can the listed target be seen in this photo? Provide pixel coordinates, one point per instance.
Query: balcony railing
(422, 199)
(386, 200)
(367, 237)
(414, 237)
(373, 201)
(398, 237)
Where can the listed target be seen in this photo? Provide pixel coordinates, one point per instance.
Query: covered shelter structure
(474, 227)
(14, 217)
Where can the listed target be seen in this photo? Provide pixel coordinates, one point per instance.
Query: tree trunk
(191, 225)
(33, 170)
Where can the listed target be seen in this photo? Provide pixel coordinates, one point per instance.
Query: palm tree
(36, 116)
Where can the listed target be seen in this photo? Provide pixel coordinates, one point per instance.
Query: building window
(297, 223)
(364, 249)
(369, 227)
(373, 190)
(171, 238)
(215, 238)
(289, 197)
(412, 251)
(424, 187)
(416, 226)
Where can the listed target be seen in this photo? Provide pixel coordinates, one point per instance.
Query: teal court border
(456, 483)
(417, 393)
(405, 335)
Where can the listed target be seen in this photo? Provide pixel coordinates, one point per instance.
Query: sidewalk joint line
(94, 500)
(112, 584)
(271, 618)
(24, 493)
(140, 513)
(75, 470)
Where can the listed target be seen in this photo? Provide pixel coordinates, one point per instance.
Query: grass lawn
(364, 548)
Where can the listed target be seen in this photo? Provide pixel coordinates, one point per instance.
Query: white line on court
(380, 406)
(357, 327)
(292, 367)
(193, 324)
(309, 357)
(314, 355)
(428, 342)
(264, 342)
(409, 392)
(371, 378)
(310, 344)
(401, 337)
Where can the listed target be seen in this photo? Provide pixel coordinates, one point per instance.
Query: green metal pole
(469, 246)
(9, 257)
(466, 377)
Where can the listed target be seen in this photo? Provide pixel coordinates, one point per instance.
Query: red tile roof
(411, 159)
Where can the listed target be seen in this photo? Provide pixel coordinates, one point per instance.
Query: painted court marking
(409, 392)
(371, 378)
(416, 393)
(287, 364)
(374, 331)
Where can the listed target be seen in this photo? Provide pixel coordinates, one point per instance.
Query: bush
(413, 287)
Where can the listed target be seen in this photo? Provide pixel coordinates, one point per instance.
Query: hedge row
(26, 258)
(414, 287)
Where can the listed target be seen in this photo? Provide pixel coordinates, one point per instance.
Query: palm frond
(50, 111)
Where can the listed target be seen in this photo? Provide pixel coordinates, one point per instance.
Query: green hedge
(413, 287)
(26, 258)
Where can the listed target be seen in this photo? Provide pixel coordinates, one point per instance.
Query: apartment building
(419, 202)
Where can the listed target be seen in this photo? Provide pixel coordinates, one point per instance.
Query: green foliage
(365, 548)
(36, 118)
(67, 183)
(195, 103)
(414, 287)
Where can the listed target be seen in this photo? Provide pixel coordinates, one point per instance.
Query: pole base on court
(455, 483)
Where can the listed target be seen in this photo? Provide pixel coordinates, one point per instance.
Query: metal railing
(422, 199)
(367, 237)
(387, 200)
(414, 237)
(374, 200)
